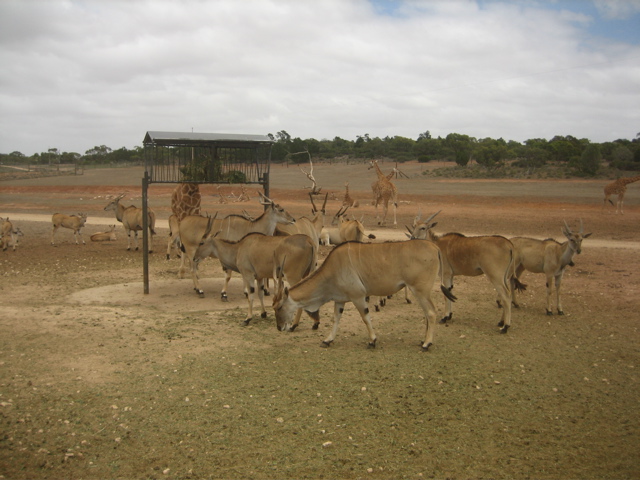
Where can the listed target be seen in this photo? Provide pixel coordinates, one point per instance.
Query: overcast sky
(76, 74)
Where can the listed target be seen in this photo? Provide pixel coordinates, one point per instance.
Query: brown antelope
(255, 257)
(232, 228)
(131, 219)
(345, 231)
(312, 227)
(73, 222)
(352, 273)
(549, 257)
(9, 234)
(473, 256)
(108, 236)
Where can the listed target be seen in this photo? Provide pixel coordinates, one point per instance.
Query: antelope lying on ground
(255, 257)
(132, 220)
(9, 234)
(109, 236)
(549, 257)
(345, 231)
(473, 256)
(74, 222)
(354, 271)
(231, 228)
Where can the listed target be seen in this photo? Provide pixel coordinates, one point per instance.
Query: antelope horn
(567, 226)
(432, 217)
(265, 200)
(210, 220)
(410, 231)
(581, 227)
(324, 204)
(313, 205)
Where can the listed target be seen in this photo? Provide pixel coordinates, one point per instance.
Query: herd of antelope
(277, 246)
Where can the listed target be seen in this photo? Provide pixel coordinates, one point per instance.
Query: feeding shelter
(179, 157)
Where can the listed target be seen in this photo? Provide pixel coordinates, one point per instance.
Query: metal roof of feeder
(195, 138)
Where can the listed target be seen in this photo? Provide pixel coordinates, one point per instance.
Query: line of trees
(582, 155)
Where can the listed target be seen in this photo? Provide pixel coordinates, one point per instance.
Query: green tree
(460, 148)
(589, 162)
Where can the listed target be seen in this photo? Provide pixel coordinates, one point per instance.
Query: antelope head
(338, 216)
(421, 230)
(575, 238)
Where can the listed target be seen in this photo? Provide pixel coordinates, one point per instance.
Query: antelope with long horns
(472, 256)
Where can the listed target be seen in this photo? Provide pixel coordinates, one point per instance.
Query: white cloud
(82, 73)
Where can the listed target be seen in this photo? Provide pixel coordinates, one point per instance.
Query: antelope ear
(286, 291)
(586, 235)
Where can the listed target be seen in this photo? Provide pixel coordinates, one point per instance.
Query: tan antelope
(472, 256)
(231, 228)
(549, 257)
(73, 222)
(108, 236)
(9, 234)
(132, 220)
(312, 227)
(255, 257)
(352, 273)
(345, 231)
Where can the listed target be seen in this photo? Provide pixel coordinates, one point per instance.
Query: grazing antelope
(108, 236)
(354, 271)
(74, 222)
(312, 227)
(549, 257)
(9, 234)
(131, 219)
(473, 256)
(233, 228)
(255, 257)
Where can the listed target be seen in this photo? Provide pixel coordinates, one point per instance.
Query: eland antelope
(233, 227)
(73, 222)
(108, 236)
(354, 271)
(312, 227)
(549, 257)
(472, 256)
(132, 220)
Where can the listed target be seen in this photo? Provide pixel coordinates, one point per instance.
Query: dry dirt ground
(99, 380)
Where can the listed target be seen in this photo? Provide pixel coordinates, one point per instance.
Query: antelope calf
(549, 257)
(108, 236)
(354, 271)
(73, 222)
(472, 256)
(132, 220)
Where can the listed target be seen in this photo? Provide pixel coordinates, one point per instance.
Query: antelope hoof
(293, 327)
(246, 322)
(223, 297)
(315, 326)
(549, 312)
(408, 300)
(501, 323)
(445, 319)
(372, 344)
(263, 315)
(168, 257)
(377, 308)
(128, 249)
(199, 292)
(426, 348)
(505, 329)
(560, 312)
(136, 249)
(266, 293)
(326, 344)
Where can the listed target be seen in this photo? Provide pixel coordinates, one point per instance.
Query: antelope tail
(446, 291)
